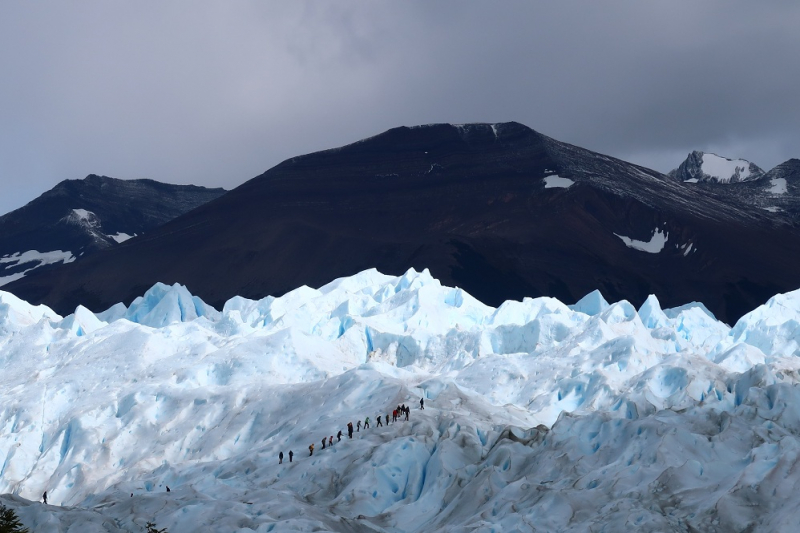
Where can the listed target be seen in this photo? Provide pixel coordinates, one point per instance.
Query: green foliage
(151, 528)
(9, 523)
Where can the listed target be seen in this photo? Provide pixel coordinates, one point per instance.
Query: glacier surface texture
(538, 416)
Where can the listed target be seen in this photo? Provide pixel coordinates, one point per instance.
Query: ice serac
(16, 314)
(591, 304)
(163, 305)
(570, 418)
(651, 314)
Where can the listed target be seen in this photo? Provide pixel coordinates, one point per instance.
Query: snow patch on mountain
(778, 186)
(571, 418)
(87, 220)
(653, 246)
(14, 261)
(122, 237)
(725, 170)
(557, 182)
(82, 217)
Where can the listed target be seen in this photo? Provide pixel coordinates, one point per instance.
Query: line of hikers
(396, 413)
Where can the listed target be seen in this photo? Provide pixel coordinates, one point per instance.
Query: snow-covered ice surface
(653, 246)
(538, 417)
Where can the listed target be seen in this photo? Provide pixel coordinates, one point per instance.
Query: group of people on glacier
(328, 441)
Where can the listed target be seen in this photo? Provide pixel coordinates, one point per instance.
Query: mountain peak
(708, 167)
(80, 216)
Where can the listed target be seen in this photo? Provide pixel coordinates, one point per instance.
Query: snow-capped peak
(709, 167)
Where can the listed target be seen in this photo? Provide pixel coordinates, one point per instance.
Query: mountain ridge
(498, 209)
(79, 217)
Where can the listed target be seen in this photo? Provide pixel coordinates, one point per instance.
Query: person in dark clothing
(44, 497)
(422, 403)
(168, 488)
(379, 421)
(330, 441)
(350, 430)
(358, 425)
(408, 411)
(387, 419)
(310, 450)
(339, 436)
(280, 458)
(323, 443)
(291, 454)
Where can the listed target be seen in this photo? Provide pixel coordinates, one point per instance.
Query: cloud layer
(215, 93)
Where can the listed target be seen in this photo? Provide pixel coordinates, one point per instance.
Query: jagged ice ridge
(539, 416)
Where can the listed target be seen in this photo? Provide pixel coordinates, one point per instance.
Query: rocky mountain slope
(78, 217)
(498, 209)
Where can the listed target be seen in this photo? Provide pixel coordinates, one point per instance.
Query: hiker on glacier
(310, 450)
(366, 423)
(330, 441)
(291, 454)
(379, 421)
(323, 442)
(339, 436)
(280, 458)
(350, 429)
(422, 403)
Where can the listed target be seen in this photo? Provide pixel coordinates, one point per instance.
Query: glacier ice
(538, 417)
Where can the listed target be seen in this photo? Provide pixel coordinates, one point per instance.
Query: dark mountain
(703, 167)
(500, 210)
(78, 217)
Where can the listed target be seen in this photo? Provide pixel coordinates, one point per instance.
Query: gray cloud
(214, 93)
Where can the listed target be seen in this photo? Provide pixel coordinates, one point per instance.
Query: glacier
(538, 416)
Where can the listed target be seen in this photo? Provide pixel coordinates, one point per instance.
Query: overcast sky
(214, 93)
